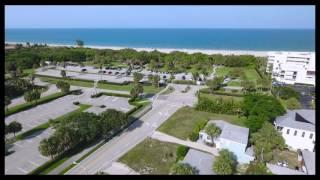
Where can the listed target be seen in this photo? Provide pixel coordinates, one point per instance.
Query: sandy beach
(165, 50)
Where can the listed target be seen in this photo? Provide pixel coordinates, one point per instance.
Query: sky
(275, 17)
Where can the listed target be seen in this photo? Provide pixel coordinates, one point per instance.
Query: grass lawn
(250, 72)
(290, 156)
(146, 89)
(234, 83)
(70, 81)
(151, 157)
(224, 97)
(28, 71)
(182, 122)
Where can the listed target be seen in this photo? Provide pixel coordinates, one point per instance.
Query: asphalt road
(163, 107)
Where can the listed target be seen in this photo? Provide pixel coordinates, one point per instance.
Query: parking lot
(116, 76)
(42, 113)
(110, 102)
(26, 156)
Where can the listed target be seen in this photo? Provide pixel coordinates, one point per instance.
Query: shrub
(234, 91)
(218, 106)
(181, 152)
(194, 136)
(183, 82)
(96, 95)
(76, 103)
(198, 127)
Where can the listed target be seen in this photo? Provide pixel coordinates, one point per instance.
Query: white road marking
(46, 158)
(33, 163)
(160, 113)
(24, 171)
(18, 145)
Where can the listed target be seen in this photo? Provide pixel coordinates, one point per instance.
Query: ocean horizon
(181, 38)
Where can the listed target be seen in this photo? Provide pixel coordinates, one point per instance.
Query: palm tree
(212, 130)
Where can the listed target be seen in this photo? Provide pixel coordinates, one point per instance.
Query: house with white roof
(298, 129)
(232, 137)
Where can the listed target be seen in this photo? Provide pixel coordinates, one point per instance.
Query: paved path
(195, 145)
(118, 168)
(163, 108)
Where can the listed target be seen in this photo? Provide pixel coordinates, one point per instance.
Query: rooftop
(309, 161)
(232, 132)
(279, 170)
(200, 160)
(299, 119)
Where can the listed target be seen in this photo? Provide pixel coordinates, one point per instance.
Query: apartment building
(298, 129)
(292, 67)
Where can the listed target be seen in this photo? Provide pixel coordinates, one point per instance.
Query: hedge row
(53, 77)
(184, 82)
(207, 91)
(114, 83)
(194, 135)
(181, 152)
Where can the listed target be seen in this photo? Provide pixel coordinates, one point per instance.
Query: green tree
(215, 83)
(19, 71)
(248, 85)
(63, 73)
(156, 81)
(111, 119)
(32, 77)
(14, 127)
(225, 163)
(49, 146)
(212, 130)
(293, 103)
(150, 78)
(7, 101)
(136, 90)
(265, 141)
(266, 107)
(35, 66)
(255, 122)
(42, 63)
(32, 95)
(257, 168)
(64, 86)
(182, 169)
(286, 92)
(137, 77)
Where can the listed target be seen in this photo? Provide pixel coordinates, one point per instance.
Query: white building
(292, 67)
(232, 137)
(298, 129)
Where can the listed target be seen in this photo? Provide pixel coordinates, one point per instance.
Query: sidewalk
(117, 168)
(195, 145)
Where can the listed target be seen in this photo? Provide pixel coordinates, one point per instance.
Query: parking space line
(46, 158)
(24, 171)
(33, 163)
(18, 145)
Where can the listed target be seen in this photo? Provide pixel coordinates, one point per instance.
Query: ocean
(206, 39)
